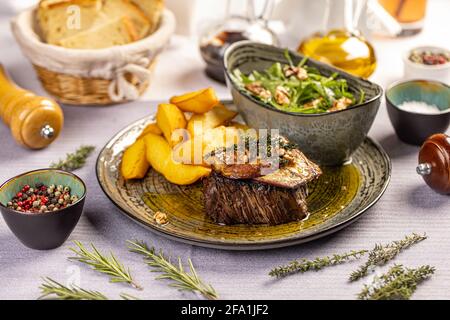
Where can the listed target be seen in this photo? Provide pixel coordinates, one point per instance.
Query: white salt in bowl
(410, 107)
(414, 70)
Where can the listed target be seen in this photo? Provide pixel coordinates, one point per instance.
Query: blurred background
(292, 22)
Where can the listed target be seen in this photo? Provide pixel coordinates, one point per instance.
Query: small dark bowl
(43, 231)
(412, 127)
(327, 138)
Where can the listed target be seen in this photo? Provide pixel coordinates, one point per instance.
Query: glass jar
(240, 23)
(409, 13)
(340, 43)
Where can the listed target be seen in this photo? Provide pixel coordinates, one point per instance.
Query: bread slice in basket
(61, 21)
(58, 20)
(153, 10)
(115, 32)
(118, 8)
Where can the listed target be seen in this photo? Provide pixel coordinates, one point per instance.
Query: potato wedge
(151, 128)
(134, 161)
(182, 174)
(190, 152)
(220, 137)
(193, 151)
(159, 154)
(197, 102)
(157, 149)
(169, 118)
(218, 116)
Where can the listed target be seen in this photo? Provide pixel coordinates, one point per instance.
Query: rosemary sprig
(303, 265)
(52, 289)
(107, 265)
(126, 296)
(181, 279)
(381, 254)
(398, 283)
(74, 160)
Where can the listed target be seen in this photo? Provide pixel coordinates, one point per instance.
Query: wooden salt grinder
(35, 121)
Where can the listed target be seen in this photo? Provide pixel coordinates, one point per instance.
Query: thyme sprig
(52, 289)
(303, 265)
(382, 254)
(74, 160)
(103, 264)
(181, 279)
(398, 283)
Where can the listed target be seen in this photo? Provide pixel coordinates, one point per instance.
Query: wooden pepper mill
(434, 163)
(35, 121)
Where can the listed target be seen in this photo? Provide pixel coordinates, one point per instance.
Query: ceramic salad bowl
(327, 138)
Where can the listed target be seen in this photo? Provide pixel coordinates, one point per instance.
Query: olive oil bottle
(342, 49)
(340, 43)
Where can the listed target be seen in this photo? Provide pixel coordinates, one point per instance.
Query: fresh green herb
(298, 89)
(253, 147)
(302, 63)
(74, 160)
(303, 265)
(398, 283)
(106, 265)
(382, 254)
(288, 57)
(52, 289)
(126, 296)
(362, 96)
(181, 279)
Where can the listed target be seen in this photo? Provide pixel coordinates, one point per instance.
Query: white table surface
(407, 206)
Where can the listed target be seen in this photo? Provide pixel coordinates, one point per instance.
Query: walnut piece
(282, 95)
(257, 89)
(161, 218)
(341, 104)
(299, 73)
(313, 104)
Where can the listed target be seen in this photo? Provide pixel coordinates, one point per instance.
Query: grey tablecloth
(407, 206)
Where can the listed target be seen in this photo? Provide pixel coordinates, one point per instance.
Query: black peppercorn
(41, 198)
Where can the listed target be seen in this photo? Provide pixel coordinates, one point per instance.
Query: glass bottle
(241, 22)
(409, 13)
(340, 43)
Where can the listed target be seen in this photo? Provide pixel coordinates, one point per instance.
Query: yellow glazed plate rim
(371, 169)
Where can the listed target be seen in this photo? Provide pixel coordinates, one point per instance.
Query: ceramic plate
(338, 198)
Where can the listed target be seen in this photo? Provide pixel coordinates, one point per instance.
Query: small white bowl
(415, 70)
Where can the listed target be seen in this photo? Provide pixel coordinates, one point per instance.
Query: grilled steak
(230, 201)
(238, 193)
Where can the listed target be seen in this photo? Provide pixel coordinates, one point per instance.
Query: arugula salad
(298, 88)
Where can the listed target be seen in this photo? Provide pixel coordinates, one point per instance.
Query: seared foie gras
(240, 193)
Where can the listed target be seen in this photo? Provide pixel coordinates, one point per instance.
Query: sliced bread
(115, 8)
(57, 21)
(153, 10)
(115, 32)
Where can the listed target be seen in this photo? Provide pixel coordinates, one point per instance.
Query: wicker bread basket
(92, 77)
